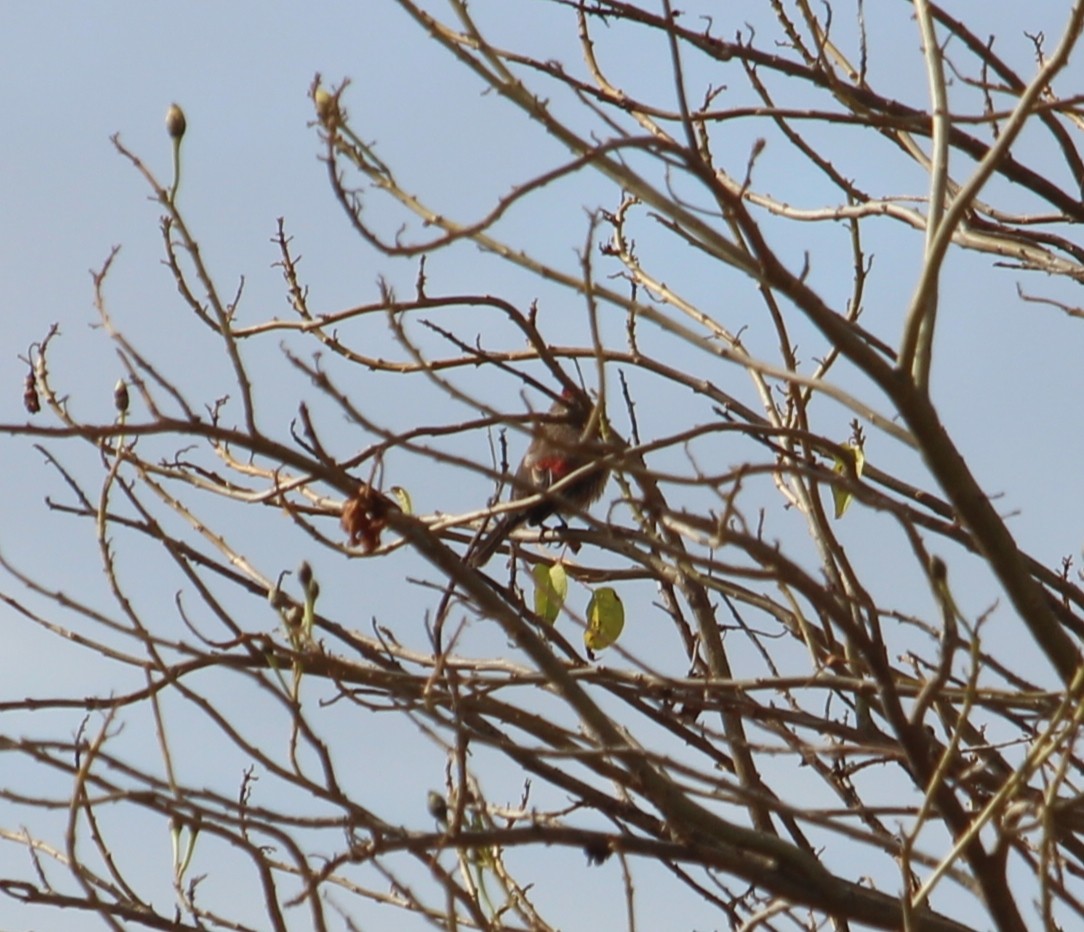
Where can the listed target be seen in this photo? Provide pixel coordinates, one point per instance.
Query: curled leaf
(365, 516)
(851, 466)
(598, 851)
(437, 806)
(605, 619)
(402, 496)
(312, 592)
(550, 590)
(30, 394)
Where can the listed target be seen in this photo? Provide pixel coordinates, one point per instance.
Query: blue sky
(76, 73)
(242, 73)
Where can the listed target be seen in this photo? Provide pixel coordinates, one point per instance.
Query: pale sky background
(72, 74)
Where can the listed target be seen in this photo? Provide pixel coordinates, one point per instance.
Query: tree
(805, 718)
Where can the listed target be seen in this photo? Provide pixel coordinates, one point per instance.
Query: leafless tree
(801, 724)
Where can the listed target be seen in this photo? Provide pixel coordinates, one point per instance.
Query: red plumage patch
(556, 466)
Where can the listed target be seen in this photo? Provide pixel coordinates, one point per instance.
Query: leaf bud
(176, 124)
(120, 396)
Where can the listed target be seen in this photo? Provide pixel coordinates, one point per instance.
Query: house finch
(558, 449)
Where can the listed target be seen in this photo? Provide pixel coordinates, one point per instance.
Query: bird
(558, 449)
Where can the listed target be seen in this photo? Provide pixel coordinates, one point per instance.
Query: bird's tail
(487, 546)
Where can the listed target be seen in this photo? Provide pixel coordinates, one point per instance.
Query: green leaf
(402, 498)
(605, 619)
(852, 466)
(550, 590)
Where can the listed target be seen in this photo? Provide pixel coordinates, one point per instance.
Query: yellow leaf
(605, 619)
(402, 498)
(856, 460)
(550, 590)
